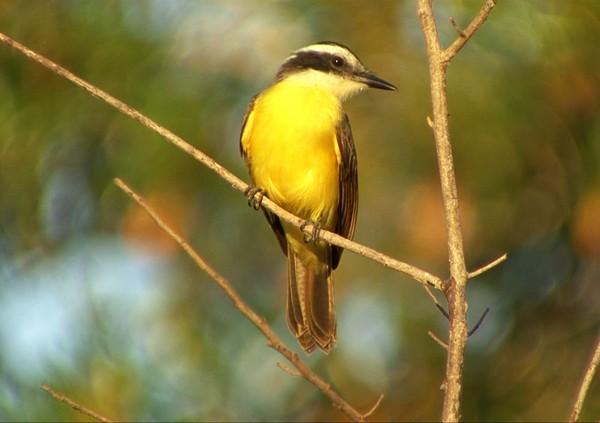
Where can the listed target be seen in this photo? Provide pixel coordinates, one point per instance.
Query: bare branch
(416, 273)
(289, 371)
(479, 322)
(457, 28)
(487, 267)
(467, 33)
(80, 408)
(372, 410)
(128, 111)
(425, 278)
(433, 298)
(455, 292)
(258, 321)
(437, 68)
(585, 383)
(437, 339)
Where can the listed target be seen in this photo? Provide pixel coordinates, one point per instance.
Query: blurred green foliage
(97, 303)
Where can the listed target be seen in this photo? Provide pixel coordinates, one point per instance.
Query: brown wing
(273, 220)
(348, 203)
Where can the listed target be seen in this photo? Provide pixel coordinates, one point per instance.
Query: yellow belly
(290, 139)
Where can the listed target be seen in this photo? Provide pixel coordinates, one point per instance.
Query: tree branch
(456, 287)
(468, 32)
(332, 238)
(487, 267)
(80, 408)
(258, 321)
(585, 383)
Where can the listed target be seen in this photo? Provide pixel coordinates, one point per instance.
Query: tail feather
(310, 306)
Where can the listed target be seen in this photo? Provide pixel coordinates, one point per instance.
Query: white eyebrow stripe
(331, 49)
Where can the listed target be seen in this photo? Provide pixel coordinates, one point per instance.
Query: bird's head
(330, 66)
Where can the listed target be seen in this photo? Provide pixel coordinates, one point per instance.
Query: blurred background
(100, 305)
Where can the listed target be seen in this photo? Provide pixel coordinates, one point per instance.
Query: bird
(297, 145)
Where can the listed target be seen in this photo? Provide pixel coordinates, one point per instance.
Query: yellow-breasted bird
(297, 144)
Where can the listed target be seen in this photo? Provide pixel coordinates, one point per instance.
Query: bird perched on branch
(297, 144)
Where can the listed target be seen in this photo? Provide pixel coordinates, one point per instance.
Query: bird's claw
(255, 196)
(313, 236)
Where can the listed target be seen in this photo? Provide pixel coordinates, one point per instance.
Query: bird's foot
(255, 196)
(313, 236)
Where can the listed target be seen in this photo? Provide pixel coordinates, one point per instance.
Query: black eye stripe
(320, 61)
(315, 60)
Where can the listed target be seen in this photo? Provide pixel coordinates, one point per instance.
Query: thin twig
(585, 383)
(456, 27)
(433, 298)
(80, 408)
(487, 266)
(375, 406)
(479, 322)
(443, 311)
(273, 341)
(437, 339)
(289, 371)
(332, 238)
(468, 32)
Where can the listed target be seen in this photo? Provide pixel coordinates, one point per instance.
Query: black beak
(374, 81)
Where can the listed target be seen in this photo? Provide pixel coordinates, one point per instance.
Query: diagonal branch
(468, 32)
(80, 408)
(585, 383)
(259, 321)
(128, 111)
(418, 274)
(488, 266)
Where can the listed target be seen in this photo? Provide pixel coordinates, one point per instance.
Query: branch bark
(439, 59)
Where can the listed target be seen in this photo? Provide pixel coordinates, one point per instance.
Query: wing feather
(348, 186)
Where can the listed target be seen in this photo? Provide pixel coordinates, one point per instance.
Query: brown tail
(310, 305)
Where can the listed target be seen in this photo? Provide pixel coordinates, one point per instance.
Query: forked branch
(439, 58)
(469, 31)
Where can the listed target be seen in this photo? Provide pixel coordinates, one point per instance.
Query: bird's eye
(337, 61)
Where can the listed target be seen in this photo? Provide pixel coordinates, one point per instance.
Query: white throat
(340, 87)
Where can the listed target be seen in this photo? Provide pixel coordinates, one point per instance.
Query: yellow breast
(290, 138)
